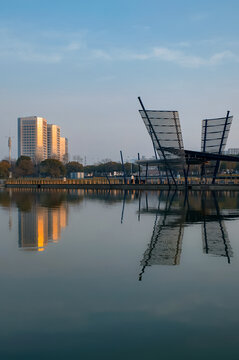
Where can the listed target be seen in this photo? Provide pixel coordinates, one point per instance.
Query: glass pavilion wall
(165, 132)
(213, 140)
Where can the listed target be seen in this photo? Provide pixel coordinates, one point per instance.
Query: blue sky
(82, 64)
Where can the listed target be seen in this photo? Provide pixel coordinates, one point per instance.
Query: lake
(119, 275)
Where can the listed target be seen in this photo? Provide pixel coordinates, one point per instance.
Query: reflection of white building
(33, 229)
(41, 225)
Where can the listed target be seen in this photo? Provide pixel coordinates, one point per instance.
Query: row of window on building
(40, 140)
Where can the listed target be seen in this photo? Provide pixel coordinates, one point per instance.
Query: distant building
(77, 175)
(233, 151)
(53, 141)
(64, 149)
(32, 137)
(40, 140)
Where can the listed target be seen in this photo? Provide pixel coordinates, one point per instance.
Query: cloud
(44, 47)
(188, 60)
(100, 54)
(74, 47)
(177, 57)
(14, 48)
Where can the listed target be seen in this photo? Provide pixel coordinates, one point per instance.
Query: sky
(82, 65)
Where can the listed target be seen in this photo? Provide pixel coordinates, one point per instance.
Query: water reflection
(174, 211)
(42, 215)
(40, 226)
(90, 277)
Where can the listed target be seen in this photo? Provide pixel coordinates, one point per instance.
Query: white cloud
(100, 54)
(177, 57)
(73, 46)
(58, 49)
(188, 60)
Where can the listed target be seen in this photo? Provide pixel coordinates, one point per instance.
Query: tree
(73, 166)
(104, 167)
(4, 169)
(24, 166)
(53, 168)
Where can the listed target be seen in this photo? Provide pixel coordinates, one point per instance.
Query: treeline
(24, 167)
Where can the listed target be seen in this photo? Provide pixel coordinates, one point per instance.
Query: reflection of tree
(5, 200)
(52, 200)
(23, 201)
(111, 196)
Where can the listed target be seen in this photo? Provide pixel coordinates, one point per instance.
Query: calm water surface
(114, 275)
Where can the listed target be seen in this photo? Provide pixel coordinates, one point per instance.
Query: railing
(40, 181)
(117, 181)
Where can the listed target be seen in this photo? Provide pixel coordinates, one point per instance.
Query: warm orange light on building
(63, 217)
(55, 225)
(40, 233)
(53, 141)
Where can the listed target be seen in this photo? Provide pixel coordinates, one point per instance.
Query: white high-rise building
(32, 137)
(64, 149)
(53, 141)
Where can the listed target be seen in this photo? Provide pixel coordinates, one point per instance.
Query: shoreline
(196, 187)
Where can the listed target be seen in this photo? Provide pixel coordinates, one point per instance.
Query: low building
(76, 175)
(233, 151)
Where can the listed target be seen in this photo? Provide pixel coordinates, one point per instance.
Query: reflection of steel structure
(165, 132)
(175, 212)
(166, 241)
(214, 234)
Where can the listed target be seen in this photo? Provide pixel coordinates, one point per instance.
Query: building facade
(53, 141)
(233, 151)
(64, 149)
(32, 137)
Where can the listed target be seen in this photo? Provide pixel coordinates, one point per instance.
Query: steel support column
(220, 150)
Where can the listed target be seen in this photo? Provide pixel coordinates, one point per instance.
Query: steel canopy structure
(214, 138)
(165, 132)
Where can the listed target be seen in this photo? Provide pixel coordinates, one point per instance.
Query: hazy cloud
(177, 57)
(40, 50)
